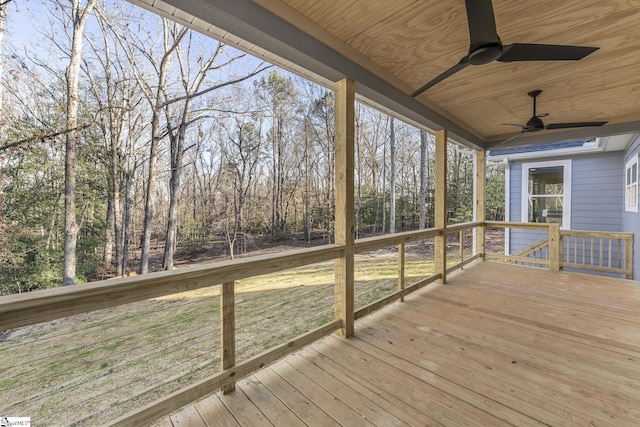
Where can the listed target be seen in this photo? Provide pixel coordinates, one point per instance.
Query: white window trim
(628, 165)
(524, 200)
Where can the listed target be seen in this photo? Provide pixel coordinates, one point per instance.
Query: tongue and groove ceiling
(391, 48)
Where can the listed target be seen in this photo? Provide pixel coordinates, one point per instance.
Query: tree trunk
(72, 75)
(177, 152)
(392, 177)
(4, 5)
(423, 179)
(158, 101)
(143, 268)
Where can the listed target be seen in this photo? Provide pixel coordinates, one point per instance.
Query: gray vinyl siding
(597, 196)
(597, 192)
(631, 220)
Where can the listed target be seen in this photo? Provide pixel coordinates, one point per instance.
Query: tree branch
(212, 88)
(43, 135)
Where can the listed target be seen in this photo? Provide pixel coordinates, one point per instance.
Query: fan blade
(513, 124)
(543, 52)
(514, 137)
(482, 24)
(451, 71)
(574, 125)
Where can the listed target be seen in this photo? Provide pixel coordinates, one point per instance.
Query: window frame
(566, 172)
(629, 165)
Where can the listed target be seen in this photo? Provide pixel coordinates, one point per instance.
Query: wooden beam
(479, 197)
(440, 255)
(345, 210)
(228, 331)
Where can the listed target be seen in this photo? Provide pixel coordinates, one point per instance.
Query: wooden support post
(628, 257)
(479, 204)
(344, 203)
(440, 242)
(228, 330)
(554, 247)
(401, 269)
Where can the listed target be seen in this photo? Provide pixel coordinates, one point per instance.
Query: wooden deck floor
(498, 345)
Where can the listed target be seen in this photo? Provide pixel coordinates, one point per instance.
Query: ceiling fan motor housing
(485, 54)
(535, 124)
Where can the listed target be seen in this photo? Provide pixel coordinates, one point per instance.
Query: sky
(27, 19)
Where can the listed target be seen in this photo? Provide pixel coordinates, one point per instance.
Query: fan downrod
(534, 93)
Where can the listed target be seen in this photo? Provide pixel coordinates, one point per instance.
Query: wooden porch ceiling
(392, 48)
(498, 345)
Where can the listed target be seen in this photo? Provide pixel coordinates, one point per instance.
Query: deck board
(498, 345)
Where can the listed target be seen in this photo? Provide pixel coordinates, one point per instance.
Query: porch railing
(47, 305)
(41, 306)
(602, 251)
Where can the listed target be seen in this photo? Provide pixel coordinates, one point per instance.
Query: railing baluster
(609, 265)
(619, 253)
(228, 330)
(461, 240)
(600, 251)
(591, 240)
(584, 250)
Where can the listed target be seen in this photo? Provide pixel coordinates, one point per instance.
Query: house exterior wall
(597, 196)
(631, 220)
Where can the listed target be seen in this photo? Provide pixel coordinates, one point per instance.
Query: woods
(128, 141)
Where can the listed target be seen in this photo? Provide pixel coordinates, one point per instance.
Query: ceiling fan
(485, 45)
(535, 123)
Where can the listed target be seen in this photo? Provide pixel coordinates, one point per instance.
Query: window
(631, 185)
(546, 192)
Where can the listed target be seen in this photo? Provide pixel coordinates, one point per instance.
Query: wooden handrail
(524, 225)
(380, 242)
(49, 304)
(597, 234)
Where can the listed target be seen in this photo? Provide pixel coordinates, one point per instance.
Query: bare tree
(392, 176)
(185, 117)
(423, 178)
(116, 96)
(79, 16)
(156, 97)
(241, 154)
(4, 5)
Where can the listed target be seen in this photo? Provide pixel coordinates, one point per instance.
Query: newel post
(228, 330)
(344, 202)
(554, 247)
(440, 253)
